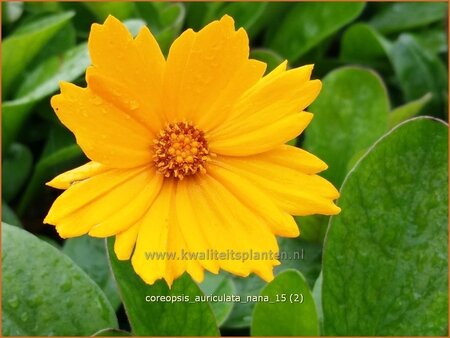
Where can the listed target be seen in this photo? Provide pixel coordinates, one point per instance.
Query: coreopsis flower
(188, 153)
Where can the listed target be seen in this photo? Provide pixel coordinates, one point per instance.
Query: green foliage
(20, 47)
(420, 72)
(308, 24)
(385, 264)
(385, 256)
(59, 298)
(290, 309)
(396, 17)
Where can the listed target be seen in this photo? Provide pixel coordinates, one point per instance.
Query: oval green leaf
(286, 308)
(351, 99)
(385, 264)
(44, 293)
(149, 316)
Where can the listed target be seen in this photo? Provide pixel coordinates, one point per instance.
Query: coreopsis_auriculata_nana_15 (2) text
(188, 153)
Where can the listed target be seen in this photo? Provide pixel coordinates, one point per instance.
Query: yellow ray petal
(252, 233)
(206, 72)
(217, 230)
(153, 237)
(263, 138)
(131, 212)
(65, 180)
(125, 241)
(294, 158)
(294, 191)
(270, 101)
(176, 243)
(84, 218)
(105, 134)
(136, 64)
(255, 199)
(125, 99)
(86, 192)
(192, 229)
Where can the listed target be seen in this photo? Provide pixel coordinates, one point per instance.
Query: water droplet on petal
(133, 104)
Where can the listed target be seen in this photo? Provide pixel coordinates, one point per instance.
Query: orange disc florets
(180, 150)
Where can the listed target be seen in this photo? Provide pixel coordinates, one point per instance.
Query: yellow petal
(192, 228)
(153, 236)
(268, 101)
(280, 222)
(207, 72)
(131, 212)
(124, 99)
(91, 201)
(263, 138)
(65, 180)
(248, 233)
(125, 241)
(138, 64)
(294, 158)
(176, 243)
(105, 133)
(293, 191)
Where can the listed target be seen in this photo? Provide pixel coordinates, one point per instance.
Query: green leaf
(41, 82)
(420, 72)
(362, 43)
(17, 166)
(288, 310)
(398, 17)
(294, 253)
(309, 23)
(44, 293)
(101, 10)
(351, 100)
(268, 56)
(153, 317)
(8, 216)
(408, 110)
(385, 265)
(90, 255)
(19, 49)
(219, 285)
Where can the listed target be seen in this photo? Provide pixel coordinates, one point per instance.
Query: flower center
(180, 150)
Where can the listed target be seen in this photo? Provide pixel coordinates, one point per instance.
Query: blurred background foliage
(381, 64)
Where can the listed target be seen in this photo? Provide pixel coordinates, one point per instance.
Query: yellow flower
(188, 153)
